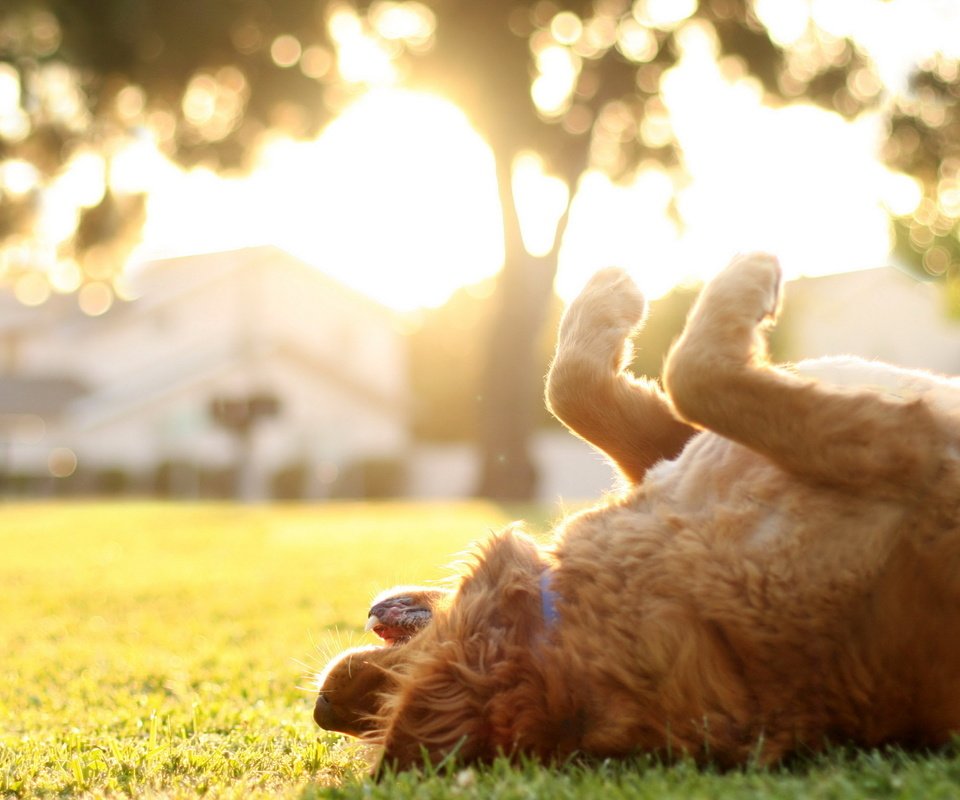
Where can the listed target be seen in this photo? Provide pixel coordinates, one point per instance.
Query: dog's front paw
(723, 334)
(609, 301)
(597, 324)
(751, 283)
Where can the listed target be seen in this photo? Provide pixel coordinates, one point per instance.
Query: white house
(138, 387)
(129, 400)
(881, 314)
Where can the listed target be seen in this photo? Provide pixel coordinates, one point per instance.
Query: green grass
(164, 651)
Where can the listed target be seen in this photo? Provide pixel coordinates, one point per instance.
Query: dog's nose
(323, 713)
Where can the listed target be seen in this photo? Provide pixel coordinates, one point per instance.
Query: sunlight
(397, 198)
(800, 182)
(541, 200)
(621, 225)
(198, 211)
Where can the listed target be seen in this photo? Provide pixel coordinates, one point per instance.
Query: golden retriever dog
(782, 573)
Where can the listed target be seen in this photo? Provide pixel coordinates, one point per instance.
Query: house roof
(156, 285)
(163, 281)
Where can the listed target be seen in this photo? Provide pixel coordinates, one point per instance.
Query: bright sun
(398, 198)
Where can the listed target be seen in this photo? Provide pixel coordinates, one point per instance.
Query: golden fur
(782, 573)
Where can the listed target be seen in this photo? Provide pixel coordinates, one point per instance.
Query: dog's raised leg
(590, 390)
(718, 377)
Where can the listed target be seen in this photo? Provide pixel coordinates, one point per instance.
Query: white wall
(222, 324)
(877, 314)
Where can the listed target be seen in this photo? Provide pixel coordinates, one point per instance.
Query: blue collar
(548, 599)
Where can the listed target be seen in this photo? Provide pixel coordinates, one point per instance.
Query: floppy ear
(474, 701)
(351, 689)
(447, 698)
(437, 710)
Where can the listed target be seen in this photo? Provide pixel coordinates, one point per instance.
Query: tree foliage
(83, 80)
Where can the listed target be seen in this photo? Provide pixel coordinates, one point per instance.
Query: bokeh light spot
(62, 462)
(130, 103)
(9, 90)
(936, 260)
(901, 194)
(32, 289)
(18, 177)
(663, 14)
(316, 62)
(411, 22)
(637, 42)
(44, 33)
(553, 88)
(95, 299)
(566, 27)
(285, 51)
(65, 276)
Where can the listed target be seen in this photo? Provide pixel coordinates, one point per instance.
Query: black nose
(323, 713)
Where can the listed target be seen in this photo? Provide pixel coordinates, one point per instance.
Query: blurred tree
(447, 349)
(446, 354)
(576, 81)
(665, 321)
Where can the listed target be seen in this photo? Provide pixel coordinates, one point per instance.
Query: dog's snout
(323, 713)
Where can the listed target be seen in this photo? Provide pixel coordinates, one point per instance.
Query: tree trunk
(512, 382)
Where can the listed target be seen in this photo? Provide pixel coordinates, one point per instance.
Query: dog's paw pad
(611, 300)
(756, 278)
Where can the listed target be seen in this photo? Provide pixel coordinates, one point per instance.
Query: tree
(577, 82)
(447, 349)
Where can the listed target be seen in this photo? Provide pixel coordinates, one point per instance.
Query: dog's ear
(445, 699)
(501, 591)
(436, 712)
(352, 687)
(470, 702)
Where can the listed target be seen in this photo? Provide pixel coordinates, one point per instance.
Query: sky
(397, 197)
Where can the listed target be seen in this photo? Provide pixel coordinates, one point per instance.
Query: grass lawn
(166, 651)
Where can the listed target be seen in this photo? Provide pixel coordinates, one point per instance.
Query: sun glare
(397, 199)
(398, 196)
(541, 200)
(800, 182)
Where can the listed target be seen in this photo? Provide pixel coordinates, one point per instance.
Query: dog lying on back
(782, 573)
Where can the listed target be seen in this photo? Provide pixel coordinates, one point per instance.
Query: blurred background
(300, 249)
